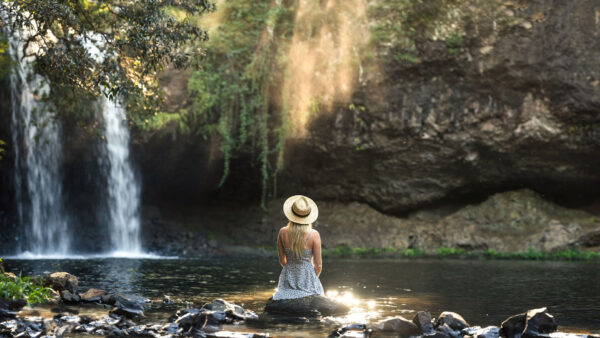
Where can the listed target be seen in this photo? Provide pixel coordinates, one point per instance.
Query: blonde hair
(296, 234)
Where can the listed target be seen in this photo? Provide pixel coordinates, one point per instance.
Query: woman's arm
(280, 251)
(317, 262)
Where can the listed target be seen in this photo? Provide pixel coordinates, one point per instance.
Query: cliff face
(508, 106)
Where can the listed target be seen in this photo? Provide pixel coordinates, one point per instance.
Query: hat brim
(310, 218)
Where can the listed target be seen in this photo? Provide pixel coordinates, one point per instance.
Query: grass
(344, 251)
(27, 288)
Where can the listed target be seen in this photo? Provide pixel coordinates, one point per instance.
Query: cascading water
(123, 187)
(122, 184)
(37, 146)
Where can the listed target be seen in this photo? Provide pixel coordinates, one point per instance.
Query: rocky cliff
(513, 104)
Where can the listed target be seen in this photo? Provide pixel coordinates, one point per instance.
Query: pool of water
(483, 292)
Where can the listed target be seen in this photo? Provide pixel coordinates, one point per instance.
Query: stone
(10, 275)
(423, 320)
(452, 319)
(129, 306)
(92, 295)
(5, 311)
(539, 321)
(352, 330)
(486, 332)
(310, 306)
(69, 297)
(448, 330)
(399, 325)
(513, 325)
(60, 281)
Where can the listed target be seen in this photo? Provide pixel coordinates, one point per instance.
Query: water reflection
(484, 292)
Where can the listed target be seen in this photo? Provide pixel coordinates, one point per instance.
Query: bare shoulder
(316, 234)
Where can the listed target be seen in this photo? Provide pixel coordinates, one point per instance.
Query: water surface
(483, 292)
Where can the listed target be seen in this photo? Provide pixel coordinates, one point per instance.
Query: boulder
(452, 319)
(92, 295)
(69, 297)
(423, 320)
(399, 325)
(60, 281)
(529, 324)
(513, 325)
(306, 306)
(539, 321)
(10, 275)
(129, 306)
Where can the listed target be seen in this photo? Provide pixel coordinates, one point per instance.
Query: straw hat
(300, 209)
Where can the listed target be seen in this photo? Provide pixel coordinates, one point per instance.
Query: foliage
(5, 60)
(344, 251)
(230, 93)
(27, 288)
(135, 40)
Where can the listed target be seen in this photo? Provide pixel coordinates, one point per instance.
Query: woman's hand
(316, 247)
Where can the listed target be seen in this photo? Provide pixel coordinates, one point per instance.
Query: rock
(307, 306)
(10, 275)
(60, 281)
(92, 295)
(353, 330)
(5, 311)
(399, 325)
(69, 297)
(539, 321)
(478, 332)
(231, 309)
(513, 325)
(128, 305)
(452, 319)
(445, 329)
(529, 324)
(423, 320)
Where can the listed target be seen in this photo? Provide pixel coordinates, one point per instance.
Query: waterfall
(123, 186)
(37, 147)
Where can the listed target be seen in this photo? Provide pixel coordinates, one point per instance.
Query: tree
(135, 38)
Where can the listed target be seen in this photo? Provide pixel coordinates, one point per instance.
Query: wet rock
(530, 324)
(92, 295)
(423, 320)
(69, 297)
(478, 332)
(447, 330)
(307, 306)
(452, 319)
(399, 325)
(353, 330)
(231, 309)
(539, 321)
(128, 305)
(60, 281)
(513, 325)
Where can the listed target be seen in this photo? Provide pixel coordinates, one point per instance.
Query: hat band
(297, 214)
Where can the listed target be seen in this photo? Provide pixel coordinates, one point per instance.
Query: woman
(299, 248)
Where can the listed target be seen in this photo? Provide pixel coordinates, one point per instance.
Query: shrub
(31, 290)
